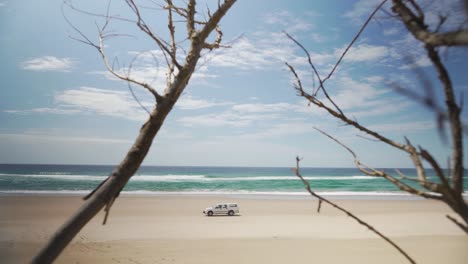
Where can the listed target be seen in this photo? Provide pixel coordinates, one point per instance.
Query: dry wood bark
(106, 193)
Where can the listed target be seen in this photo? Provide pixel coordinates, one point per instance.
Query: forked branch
(450, 188)
(370, 171)
(415, 24)
(106, 192)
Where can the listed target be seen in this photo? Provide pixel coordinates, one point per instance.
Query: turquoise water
(194, 180)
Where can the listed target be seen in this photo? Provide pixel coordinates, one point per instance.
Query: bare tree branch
(354, 40)
(415, 24)
(108, 190)
(321, 87)
(450, 188)
(69, 3)
(191, 18)
(314, 100)
(380, 173)
(163, 45)
(454, 117)
(118, 75)
(348, 213)
(322, 82)
(173, 51)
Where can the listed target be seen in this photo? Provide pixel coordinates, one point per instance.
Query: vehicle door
(224, 209)
(218, 209)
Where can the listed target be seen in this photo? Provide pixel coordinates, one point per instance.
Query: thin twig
(314, 100)
(379, 173)
(348, 213)
(354, 40)
(321, 83)
(403, 176)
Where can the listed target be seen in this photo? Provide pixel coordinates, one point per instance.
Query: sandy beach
(172, 229)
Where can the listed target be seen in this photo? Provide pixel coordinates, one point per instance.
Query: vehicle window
(233, 205)
(218, 207)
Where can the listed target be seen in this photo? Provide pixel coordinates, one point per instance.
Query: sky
(59, 105)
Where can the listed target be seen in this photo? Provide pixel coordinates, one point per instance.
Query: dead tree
(181, 66)
(449, 187)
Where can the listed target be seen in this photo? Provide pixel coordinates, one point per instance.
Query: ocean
(81, 179)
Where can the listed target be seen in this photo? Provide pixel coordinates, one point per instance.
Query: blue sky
(60, 106)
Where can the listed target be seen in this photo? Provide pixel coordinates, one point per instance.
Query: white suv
(222, 208)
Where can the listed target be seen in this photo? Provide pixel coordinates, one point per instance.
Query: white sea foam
(45, 192)
(246, 178)
(168, 177)
(282, 178)
(54, 173)
(247, 194)
(59, 176)
(178, 178)
(150, 178)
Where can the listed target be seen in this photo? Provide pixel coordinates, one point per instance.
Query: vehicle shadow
(237, 215)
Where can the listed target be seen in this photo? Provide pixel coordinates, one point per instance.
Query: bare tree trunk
(110, 188)
(105, 194)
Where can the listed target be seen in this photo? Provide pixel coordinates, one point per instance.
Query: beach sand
(172, 229)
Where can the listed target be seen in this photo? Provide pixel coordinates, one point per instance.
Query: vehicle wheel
(231, 213)
(210, 213)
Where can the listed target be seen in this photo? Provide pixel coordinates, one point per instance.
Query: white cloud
(357, 53)
(150, 67)
(149, 74)
(44, 110)
(48, 63)
(89, 100)
(364, 52)
(279, 130)
(59, 138)
(361, 10)
(246, 55)
(402, 128)
(352, 93)
(375, 79)
(422, 61)
(268, 108)
(224, 119)
(289, 22)
(259, 52)
(242, 115)
(391, 31)
(381, 107)
(318, 37)
(359, 98)
(189, 102)
(409, 53)
(103, 102)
